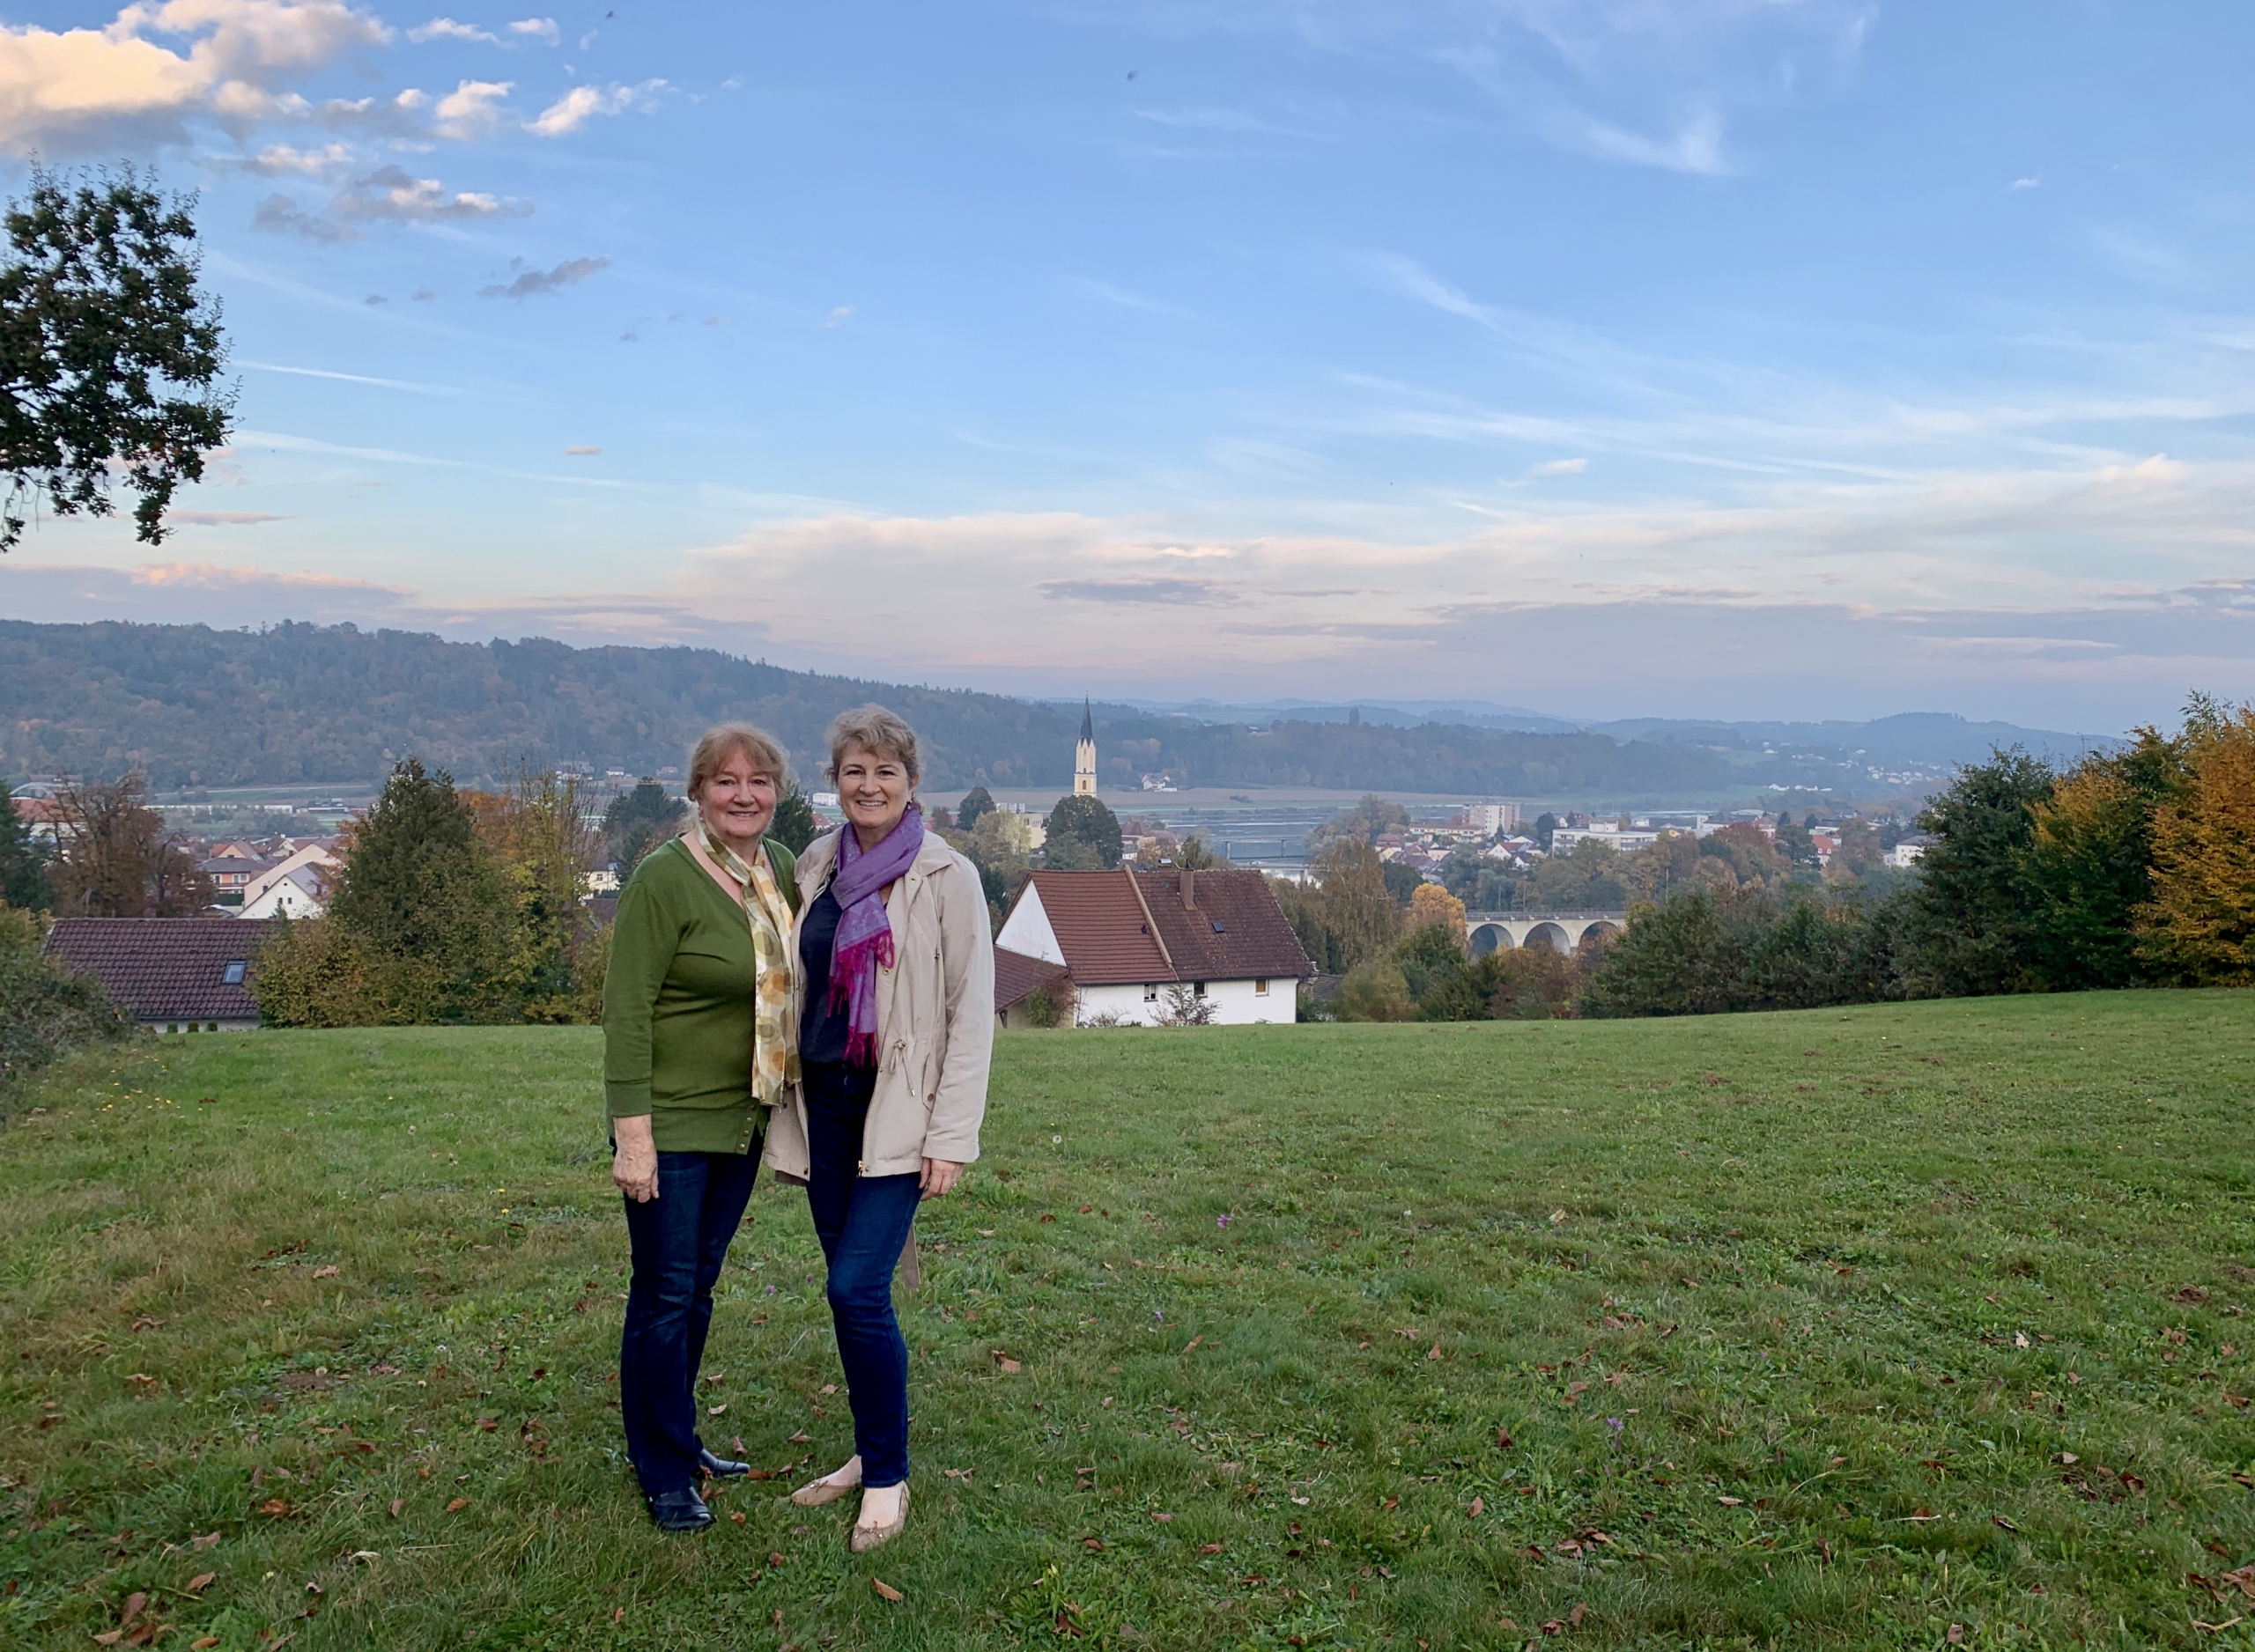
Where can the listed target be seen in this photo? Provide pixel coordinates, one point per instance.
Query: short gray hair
(877, 732)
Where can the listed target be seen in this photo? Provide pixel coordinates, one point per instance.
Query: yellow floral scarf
(774, 1041)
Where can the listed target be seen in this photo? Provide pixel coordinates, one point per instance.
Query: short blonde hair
(737, 739)
(877, 732)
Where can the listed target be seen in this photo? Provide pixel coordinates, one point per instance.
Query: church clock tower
(1084, 756)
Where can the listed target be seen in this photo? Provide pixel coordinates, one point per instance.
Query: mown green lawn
(1826, 1330)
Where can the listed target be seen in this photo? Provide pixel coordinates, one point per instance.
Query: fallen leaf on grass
(829, 1388)
(2243, 1580)
(2212, 1628)
(1732, 1503)
(1193, 1342)
(202, 1642)
(1502, 1439)
(457, 1505)
(397, 1503)
(487, 1424)
(201, 1582)
(715, 1410)
(618, 1615)
(775, 1559)
(209, 1539)
(1094, 1545)
(885, 1590)
(1954, 1634)
(328, 1272)
(800, 1438)
(1161, 1518)
(1478, 1506)
(1209, 1548)
(737, 1517)
(2002, 1523)
(1006, 1365)
(274, 1508)
(1574, 1618)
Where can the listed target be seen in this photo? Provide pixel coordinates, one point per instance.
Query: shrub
(1375, 990)
(45, 1009)
(1180, 1005)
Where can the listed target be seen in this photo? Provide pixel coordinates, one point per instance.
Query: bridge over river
(1565, 931)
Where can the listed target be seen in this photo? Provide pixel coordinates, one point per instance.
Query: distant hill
(336, 705)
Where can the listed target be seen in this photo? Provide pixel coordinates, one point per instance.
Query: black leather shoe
(720, 1468)
(679, 1511)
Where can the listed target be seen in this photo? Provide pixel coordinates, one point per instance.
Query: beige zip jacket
(935, 1018)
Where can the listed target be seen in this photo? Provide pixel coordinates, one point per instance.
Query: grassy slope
(1792, 1258)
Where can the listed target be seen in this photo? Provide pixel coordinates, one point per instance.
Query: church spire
(1084, 756)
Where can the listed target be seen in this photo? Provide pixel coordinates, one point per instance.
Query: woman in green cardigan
(698, 1042)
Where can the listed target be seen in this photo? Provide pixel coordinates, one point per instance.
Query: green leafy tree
(1427, 955)
(422, 896)
(1401, 881)
(1972, 921)
(795, 825)
(542, 851)
(1793, 842)
(976, 801)
(1374, 990)
(1359, 918)
(1363, 823)
(23, 863)
(639, 820)
(1084, 836)
(45, 1009)
(109, 352)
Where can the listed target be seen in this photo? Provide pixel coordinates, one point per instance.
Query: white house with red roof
(1116, 942)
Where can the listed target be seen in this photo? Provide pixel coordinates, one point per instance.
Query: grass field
(1867, 1328)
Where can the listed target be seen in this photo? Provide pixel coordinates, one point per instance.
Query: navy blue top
(822, 1029)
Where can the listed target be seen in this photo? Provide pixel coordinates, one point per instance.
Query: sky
(1711, 357)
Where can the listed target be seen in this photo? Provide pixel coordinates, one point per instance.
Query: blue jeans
(678, 1240)
(863, 1221)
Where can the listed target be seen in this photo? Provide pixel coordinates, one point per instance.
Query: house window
(233, 977)
(1199, 988)
(1260, 989)
(1150, 993)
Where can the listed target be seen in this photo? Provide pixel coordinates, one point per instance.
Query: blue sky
(1614, 357)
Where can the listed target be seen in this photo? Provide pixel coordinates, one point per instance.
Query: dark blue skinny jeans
(863, 1223)
(679, 1241)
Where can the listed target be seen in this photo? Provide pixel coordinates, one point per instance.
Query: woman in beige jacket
(895, 1027)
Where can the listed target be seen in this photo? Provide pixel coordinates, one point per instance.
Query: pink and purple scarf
(864, 940)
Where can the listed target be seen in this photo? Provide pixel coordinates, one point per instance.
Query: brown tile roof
(1233, 930)
(1120, 927)
(1100, 927)
(165, 969)
(1016, 976)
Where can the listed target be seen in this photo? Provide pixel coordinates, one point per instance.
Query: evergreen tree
(1973, 917)
(795, 825)
(23, 866)
(422, 896)
(1084, 836)
(638, 822)
(2089, 864)
(976, 801)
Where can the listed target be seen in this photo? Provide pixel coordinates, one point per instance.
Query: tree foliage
(1084, 836)
(638, 822)
(23, 860)
(45, 1009)
(795, 825)
(1972, 921)
(109, 352)
(976, 802)
(1345, 916)
(114, 858)
(2200, 922)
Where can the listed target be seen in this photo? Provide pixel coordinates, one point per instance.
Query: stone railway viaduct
(1564, 931)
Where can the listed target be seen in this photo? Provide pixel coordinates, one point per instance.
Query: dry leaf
(618, 1615)
(1094, 1545)
(1161, 1518)
(829, 1388)
(274, 1508)
(1193, 1342)
(886, 1590)
(1433, 1353)
(1209, 1548)
(397, 1503)
(1478, 1506)
(488, 1424)
(201, 1582)
(1575, 1617)
(2019, 1340)
(457, 1505)
(209, 1539)
(1732, 1503)
(1009, 1368)
(1502, 1439)
(328, 1272)
(800, 1438)
(1954, 1634)
(2002, 1523)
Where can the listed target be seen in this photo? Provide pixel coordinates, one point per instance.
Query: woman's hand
(635, 1165)
(940, 1177)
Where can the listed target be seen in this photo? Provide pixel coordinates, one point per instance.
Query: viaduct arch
(1564, 931)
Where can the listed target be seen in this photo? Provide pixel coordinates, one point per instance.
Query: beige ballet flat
(814, 1494)
(867, 1537)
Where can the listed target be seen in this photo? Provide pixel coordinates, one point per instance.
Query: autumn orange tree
(2200, 922)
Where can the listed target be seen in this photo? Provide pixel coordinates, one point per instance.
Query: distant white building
(318, 858)
(1909, 852)
(301, 892)
(1623, 840)
(1488, 819)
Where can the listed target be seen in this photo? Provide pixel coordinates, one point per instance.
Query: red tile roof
(1016, 977)
(1120, 927)
(165, 969)
(1100, 927)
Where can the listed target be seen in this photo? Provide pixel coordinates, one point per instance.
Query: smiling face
(736, 801)
(873, 790)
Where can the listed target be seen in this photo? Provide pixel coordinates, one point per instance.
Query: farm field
(1899, 1326)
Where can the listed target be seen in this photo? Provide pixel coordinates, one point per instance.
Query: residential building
(172, 974)
(1128, 942)
(1488, 819)
(319, 855)
(230, 874)
(301, 892)
(1621, 838)
(1909, 852)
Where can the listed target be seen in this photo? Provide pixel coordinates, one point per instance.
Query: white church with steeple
(1084, 756)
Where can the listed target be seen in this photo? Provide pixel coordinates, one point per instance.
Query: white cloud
(447, 29)
(389, 195)
(278, 160)
(472, 110)
(82, 89)
(1416, 282)
(1697, 148)
(1561, 468)
(2034, 181)
(839, 316)
(582, 104)
(541, 29)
